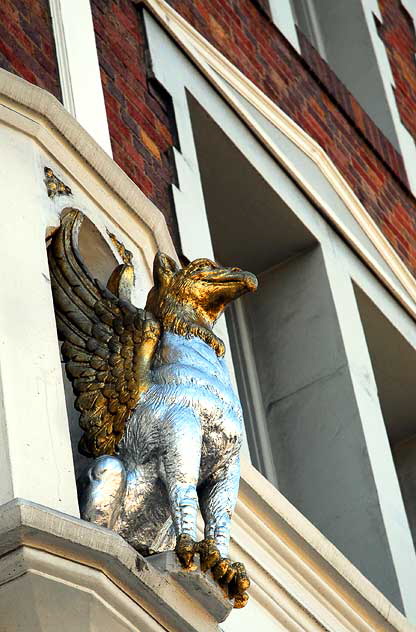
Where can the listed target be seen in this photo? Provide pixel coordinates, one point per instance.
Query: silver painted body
(180, 450)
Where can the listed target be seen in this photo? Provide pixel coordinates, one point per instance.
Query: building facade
(277, 135)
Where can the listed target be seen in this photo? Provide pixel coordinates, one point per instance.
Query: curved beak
(250, 281)
(233, 276)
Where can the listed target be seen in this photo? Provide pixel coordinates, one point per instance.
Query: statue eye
(202, 265)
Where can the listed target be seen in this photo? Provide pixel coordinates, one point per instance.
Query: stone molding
(62, 56)
(217, 69)
(80, 77)
(297, 573)
(298, 577)
(25, 525)
(45, 116)
(352, 109)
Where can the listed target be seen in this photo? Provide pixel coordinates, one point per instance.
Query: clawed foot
(209, 555)
(232, 577)
(238, 585)
(185, 550)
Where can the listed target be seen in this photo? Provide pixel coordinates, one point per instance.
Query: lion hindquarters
(101, 491)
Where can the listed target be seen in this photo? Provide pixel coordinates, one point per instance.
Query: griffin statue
(159, 414)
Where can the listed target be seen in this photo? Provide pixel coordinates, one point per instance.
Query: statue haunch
(158, 411)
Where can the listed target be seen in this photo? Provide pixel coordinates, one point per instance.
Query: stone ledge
(199, 585)
(47, 538)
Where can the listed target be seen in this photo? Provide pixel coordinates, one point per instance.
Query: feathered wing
(108, 344)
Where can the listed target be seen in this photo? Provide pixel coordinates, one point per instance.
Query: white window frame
(284, 18)
(79, 70)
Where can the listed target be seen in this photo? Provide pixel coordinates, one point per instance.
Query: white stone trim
(370, 9)
(79, 69)
(406, 142)
(39, 114)
(312, 23)
(102, 562)
(77, 580)
(299, 578)
(245, 360)
(309, 7)
(410, 6)
(62, 56)
(284, 18)
(267, 529)
(212, 63)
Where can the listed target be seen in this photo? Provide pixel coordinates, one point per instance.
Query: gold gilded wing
(108, 344)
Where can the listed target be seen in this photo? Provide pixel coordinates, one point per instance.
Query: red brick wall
(27, 46)
(398, 34)
(140, 124)
(352, 109)
(263, 5)
(139, 114)
(140, 117)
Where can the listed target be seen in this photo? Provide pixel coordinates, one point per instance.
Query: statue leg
(101, 491)
(180, 447)
(217, 498)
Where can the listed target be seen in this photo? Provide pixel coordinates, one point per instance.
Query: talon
(240, 600)
(208, 554)
(220, 570)
(238, 585)
(241, 580)
(229, 575)
(185, 550)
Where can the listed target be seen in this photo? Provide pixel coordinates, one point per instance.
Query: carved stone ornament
(54, 186)
(159, 414)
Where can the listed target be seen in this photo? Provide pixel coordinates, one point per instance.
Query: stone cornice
(25, 524)
(303, 577)
(45, 116)
(297, 575)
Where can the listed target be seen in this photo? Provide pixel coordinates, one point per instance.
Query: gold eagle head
(189, 300)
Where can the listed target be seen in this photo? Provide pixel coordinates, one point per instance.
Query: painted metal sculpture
(158, 411)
